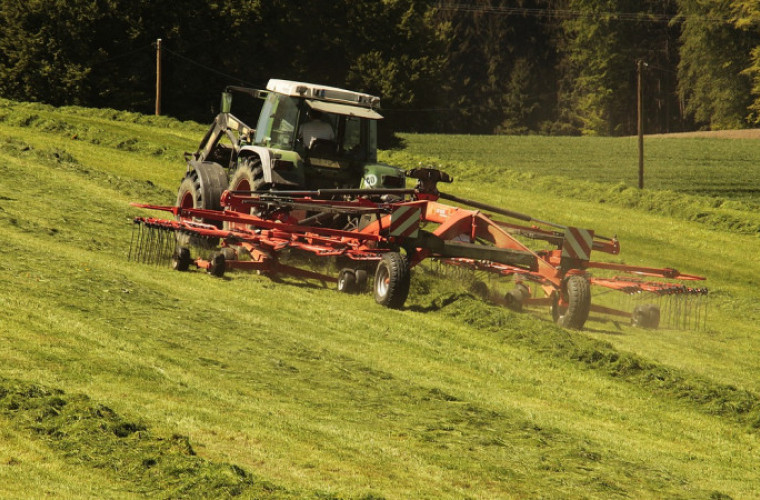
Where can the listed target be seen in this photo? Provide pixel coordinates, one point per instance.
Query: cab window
(277, 121)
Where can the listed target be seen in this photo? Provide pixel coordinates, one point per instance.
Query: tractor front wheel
(392, 279)
(573, 311)
(249, 176)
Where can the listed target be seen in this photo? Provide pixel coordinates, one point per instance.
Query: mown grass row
(92, 435)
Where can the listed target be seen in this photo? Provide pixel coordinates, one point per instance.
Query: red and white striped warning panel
(578, 243)
(405, 221)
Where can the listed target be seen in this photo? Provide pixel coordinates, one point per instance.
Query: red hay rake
(386, 233)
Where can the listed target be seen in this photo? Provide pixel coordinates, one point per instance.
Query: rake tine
(151, 248)
(131, 242)
(151, 242)
(138, 250)
(167, 248)
(159, 248)
(146, 244)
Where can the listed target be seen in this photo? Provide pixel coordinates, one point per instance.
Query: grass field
(121, 380)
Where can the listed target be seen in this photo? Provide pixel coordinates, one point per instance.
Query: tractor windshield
(348, 136)
(277, 122)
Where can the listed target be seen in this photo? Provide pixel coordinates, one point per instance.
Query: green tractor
(307, 137)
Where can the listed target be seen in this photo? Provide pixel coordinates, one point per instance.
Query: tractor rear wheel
(202, 187)
(576, 291)
(392, 279)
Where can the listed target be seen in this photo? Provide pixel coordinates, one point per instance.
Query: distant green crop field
(122, 380)
(724, 168)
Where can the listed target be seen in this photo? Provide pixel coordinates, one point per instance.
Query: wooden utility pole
(640, 65)
(158, 77)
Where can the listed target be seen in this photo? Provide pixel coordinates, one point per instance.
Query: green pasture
(713, 167)
(122, 380)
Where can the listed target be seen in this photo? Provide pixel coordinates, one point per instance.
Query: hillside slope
(120, 379)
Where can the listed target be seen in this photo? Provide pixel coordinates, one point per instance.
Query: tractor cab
(333, 133)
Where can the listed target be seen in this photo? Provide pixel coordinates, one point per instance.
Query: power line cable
(207, 68)
(653, 17)
(121, 56)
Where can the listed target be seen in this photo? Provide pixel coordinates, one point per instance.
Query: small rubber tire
(577, 292)
(392, 280)
(217, 265)
(516, 297)
(347, 281)
(646, 316)
(361, 280)
(181, 259)
(229, 253)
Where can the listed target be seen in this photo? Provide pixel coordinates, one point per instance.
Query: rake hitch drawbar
(386, 233)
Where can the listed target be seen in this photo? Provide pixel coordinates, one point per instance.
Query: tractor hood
(344, 109)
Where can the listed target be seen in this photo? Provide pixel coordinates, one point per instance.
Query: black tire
(202, 187)
(577, 293)
(361, 280)
(249, 176)
(479, 289)
(229, 253)
(392, 279)
(347, 281)
(181, 259)
(218, 265)
(646, 316)
(515, 297)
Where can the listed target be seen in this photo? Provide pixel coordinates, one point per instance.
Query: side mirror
(226, 105)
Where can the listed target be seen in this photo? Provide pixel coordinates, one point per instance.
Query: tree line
(488, 66)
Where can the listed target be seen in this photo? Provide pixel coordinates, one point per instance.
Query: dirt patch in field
(751, 133)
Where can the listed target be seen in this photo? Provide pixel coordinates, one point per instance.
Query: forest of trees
(485, 66)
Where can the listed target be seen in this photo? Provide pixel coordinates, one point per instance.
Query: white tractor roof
(323, 93)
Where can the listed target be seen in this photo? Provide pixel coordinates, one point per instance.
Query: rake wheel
(646, 316)
(392, 279)
(347, 281)
(516, 297)
(361, 280)
(181, 259)
(217, 265)
(573, 314)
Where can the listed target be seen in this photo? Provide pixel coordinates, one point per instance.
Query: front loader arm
(224, 124)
